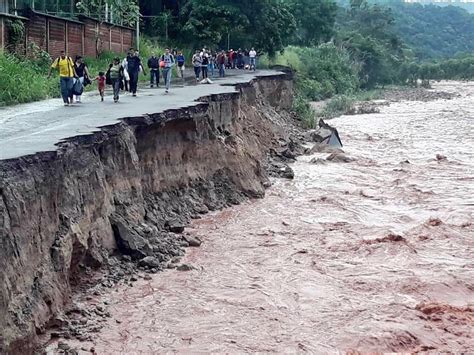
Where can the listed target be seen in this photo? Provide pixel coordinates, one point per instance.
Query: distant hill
(468, 6)
(434, 31)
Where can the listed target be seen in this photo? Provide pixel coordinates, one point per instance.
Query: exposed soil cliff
(130, 188)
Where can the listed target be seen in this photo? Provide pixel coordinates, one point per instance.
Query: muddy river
(373, 254)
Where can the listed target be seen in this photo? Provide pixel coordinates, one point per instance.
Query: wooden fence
(85, 36)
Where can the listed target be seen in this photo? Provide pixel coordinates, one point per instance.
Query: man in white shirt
(253, 59)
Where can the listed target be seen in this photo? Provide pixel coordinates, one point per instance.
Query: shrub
(338, 105)
(322, 71)
(22, 81)
(304, 111)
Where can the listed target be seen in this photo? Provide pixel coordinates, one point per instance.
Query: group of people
(124, 74)
(242, 59)
(205, 62)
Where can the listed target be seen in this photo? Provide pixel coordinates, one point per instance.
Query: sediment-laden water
(372, 254)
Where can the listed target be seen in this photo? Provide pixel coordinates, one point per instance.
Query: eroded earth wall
(124, 189)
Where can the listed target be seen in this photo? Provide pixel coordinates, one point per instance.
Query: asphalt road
(37, 127)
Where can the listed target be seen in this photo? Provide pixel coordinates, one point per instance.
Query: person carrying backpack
(67, 73)
(116, 74)
(167, 62)
(197, 63)
(180, 60)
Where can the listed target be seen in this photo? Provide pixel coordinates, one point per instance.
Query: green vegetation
(304, 111)
(123, 12)
(338, 105)
(459, 68)
(23, 81)
(322, 71)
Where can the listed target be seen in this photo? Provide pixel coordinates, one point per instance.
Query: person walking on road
(67, 74)
(253, 59)
(126, 77)
(221, 59)
(231, 59)
(197, 63)
(82, 72)
(116, 77)
(212, 63)
(180, 60)
(204, 63)
(154, 66)
(101, 84)
(134, 65)
(169, 62)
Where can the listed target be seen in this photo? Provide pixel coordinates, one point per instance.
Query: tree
(206, 22)
(267, 25)
(367, 31)
(274, 25)
(314, 19)
(123, 12)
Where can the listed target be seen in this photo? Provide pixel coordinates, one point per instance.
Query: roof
(4, 14)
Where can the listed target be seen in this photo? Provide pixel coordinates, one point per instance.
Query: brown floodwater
(371, 255)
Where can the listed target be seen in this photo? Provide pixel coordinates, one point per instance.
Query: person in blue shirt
(180, 60)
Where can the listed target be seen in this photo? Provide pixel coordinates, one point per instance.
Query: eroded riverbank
(120, 192)
(372, 255)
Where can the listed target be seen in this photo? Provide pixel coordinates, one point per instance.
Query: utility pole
(138, 32)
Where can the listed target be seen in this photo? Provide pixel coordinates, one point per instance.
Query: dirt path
(375, 254)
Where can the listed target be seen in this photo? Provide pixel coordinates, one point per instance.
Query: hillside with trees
(433, 31)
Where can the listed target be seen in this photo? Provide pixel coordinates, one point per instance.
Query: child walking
(101, 84)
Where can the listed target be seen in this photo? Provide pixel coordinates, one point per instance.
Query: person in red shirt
(101, 84)
(231, 59)
(221, 59)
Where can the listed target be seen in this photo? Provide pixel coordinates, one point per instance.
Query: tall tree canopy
(367, 31)
(265, 24)
(314, 19)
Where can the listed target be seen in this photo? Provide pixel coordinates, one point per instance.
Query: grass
(290, 58)
(337, 106)
(24, 81)
(343, 104)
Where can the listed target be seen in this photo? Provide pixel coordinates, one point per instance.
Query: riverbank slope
(123, 186)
